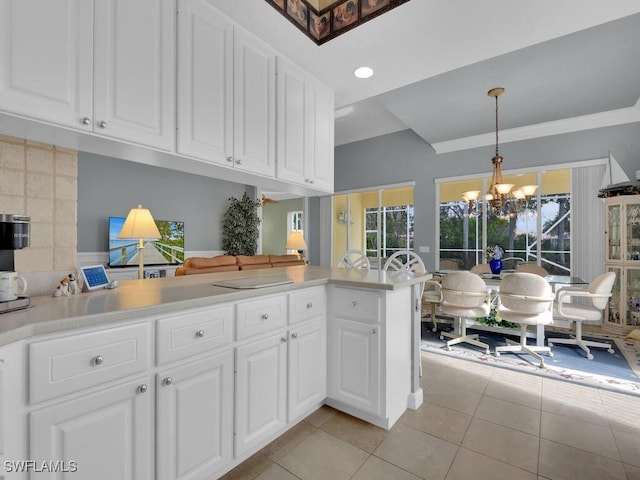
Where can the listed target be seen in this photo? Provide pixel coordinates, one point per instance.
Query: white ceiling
(434, 61)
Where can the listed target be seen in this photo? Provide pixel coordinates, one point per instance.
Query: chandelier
(501, 199)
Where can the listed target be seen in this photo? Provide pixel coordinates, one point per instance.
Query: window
(378, 222)
(541, 233)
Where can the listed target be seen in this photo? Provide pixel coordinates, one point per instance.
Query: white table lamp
(296, 242)
(140, 225)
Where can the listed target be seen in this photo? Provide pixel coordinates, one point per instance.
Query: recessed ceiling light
(363, 72)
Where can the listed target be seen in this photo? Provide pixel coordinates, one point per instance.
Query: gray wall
(403, 157)
(274, 225)
(111, 187)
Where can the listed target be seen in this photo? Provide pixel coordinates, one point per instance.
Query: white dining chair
(525, 299)
(597, 296)
(354, 259)
(464, 295)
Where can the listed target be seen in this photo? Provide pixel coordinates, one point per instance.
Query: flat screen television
(168, 250)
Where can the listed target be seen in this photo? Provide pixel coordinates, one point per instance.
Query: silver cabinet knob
(102, 124)
(283, 339)
(142, 388)
(311, 182)
(354, 303)
(85, 121)
(294, 335)
(167, 381)
(309, 306)
(239, 161)
(265, 316)
(374, 331)
(230, 159)
(200, 333)
(98, 360)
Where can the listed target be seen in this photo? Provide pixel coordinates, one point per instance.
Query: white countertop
(152, 297)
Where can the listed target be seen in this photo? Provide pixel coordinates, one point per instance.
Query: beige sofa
(230, 263)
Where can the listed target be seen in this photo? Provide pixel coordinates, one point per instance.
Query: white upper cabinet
(226, 91)
(107, 67)
(254, 96)
(134, 71)
(46, 58)
(305, 121)
(205, 82)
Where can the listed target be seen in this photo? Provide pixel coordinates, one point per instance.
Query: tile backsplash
(40, 181)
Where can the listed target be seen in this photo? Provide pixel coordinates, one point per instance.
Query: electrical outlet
(423, 249)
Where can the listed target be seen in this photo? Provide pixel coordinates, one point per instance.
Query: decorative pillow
(634, 334)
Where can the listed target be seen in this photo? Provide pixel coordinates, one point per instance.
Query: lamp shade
(139, 224)
(296, 241)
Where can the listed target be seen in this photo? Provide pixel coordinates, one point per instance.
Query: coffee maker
(14, 235)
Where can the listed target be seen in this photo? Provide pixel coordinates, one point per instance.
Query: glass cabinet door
(614, 310)
(613, 232)
(633, 294)
(633, 231)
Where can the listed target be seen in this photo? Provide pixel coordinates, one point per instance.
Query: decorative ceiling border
(333, 20)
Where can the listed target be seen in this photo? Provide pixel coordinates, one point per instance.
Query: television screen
(168, 250)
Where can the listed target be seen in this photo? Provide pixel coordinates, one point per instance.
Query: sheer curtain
(587, 222)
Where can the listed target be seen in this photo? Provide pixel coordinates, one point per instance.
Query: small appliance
(15, 231)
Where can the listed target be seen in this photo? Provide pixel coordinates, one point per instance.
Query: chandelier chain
(497, 152)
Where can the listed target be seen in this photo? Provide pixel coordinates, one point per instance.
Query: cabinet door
(194, 420)
(108, 434)
(46, 58)
(319, 140)
(354, 367)
(205, 82)
(613, 233)
(134, 71)
(291, 122)
(307, 367)
(254, 92)
(261, 386)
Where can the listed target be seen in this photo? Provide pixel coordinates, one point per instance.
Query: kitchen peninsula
(180, 376)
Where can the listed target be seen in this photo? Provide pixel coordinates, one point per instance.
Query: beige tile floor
(477, 422)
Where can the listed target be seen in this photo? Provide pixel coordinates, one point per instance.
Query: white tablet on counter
(94, 277)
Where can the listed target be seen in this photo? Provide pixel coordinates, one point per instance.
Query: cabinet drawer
(307, 304)
(64, 365)
(193, 332)
(355, 304)
(258, 316)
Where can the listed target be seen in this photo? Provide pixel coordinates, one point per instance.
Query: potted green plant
(240, 226)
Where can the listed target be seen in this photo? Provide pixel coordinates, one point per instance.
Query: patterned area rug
(619, 372)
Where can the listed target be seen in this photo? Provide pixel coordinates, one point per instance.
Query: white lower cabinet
(194, 418)
(227, 379)
(307, 367)
(355, 364)
(104, 435)
(261, 386)
(370, 353)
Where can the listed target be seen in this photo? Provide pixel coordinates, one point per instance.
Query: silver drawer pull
(142, 388)
(294, 335)
(200, 333)
(98, 360)
(167, 381)
(265, 316)
(309, 305)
